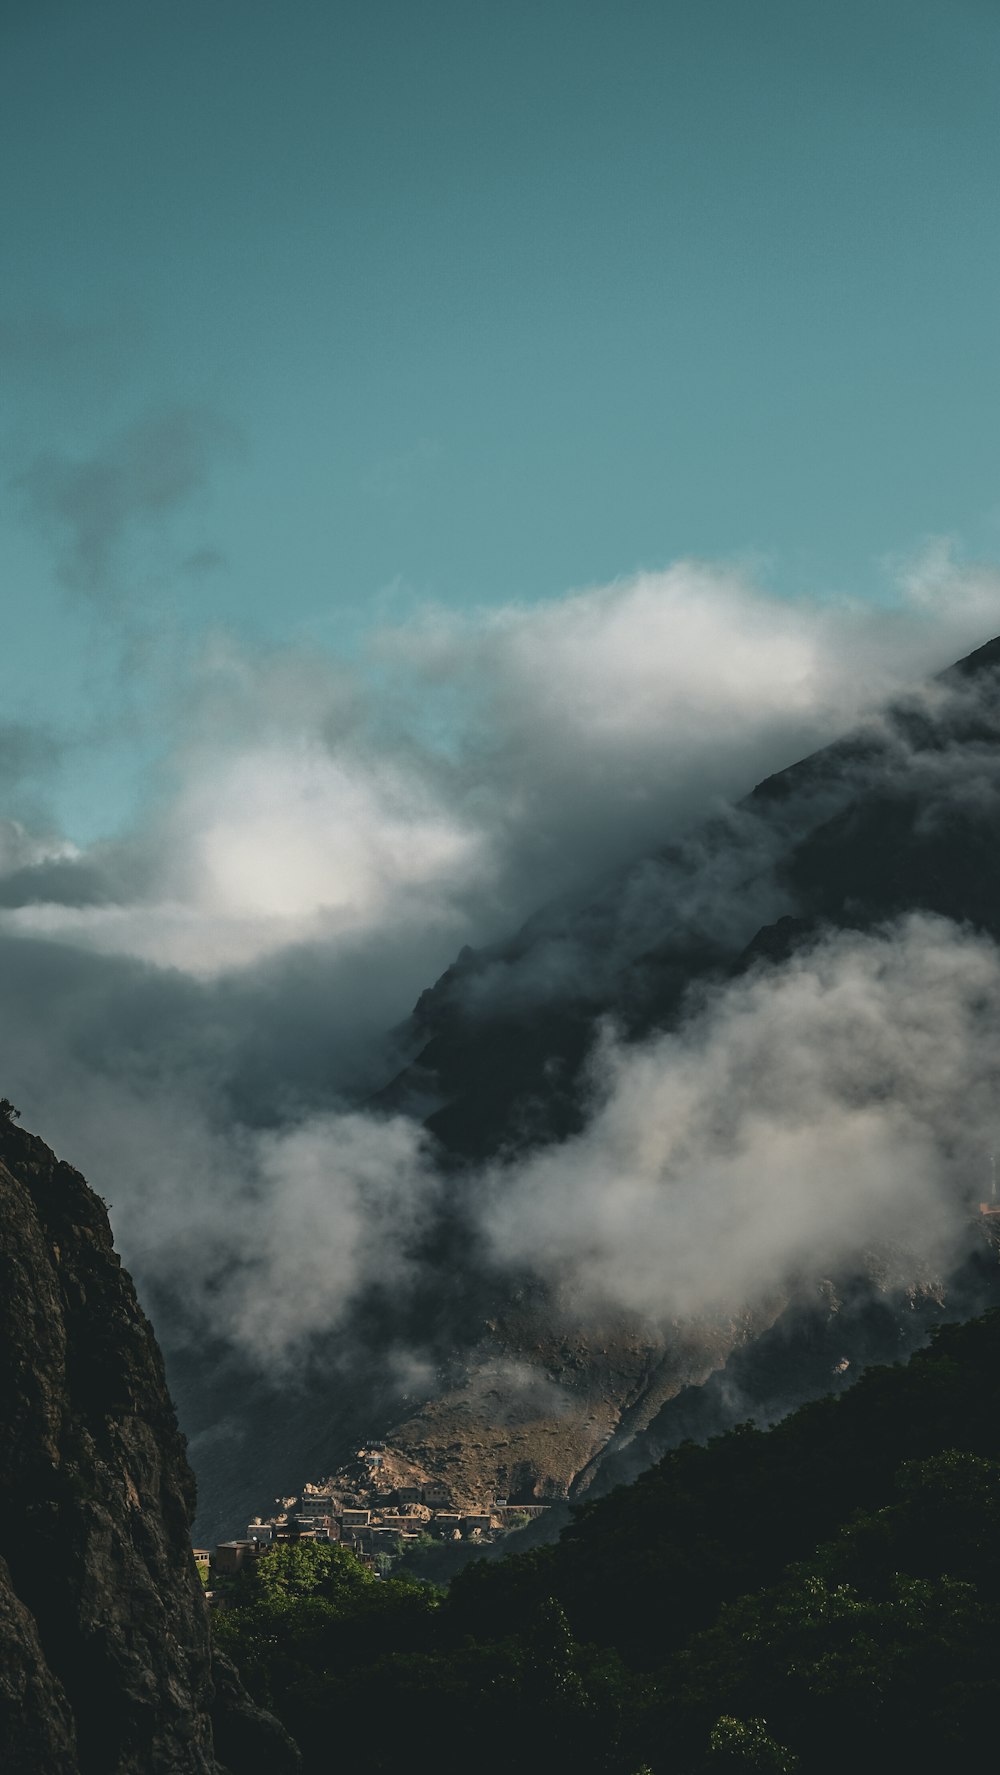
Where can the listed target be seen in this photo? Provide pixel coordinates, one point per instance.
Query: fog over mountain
(796, 1117)
(749, 1038)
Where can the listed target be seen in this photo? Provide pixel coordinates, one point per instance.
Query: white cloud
(798, 1120)
(316, 852)
(281, 845)
(268, 1237)
(800, 1117)
(491, 762)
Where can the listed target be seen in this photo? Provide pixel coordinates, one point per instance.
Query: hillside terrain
(781, 1598)
(822, 1595)
(518, 1390)
(900, 816)
(106, 1666)
(823, 1592)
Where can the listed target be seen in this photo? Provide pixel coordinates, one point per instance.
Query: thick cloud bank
(801, 1118)
(195, 1009)
(802, 1115)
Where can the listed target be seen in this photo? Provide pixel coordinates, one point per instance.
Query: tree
(747, 1744)
(308, 1568)
(7, 1111)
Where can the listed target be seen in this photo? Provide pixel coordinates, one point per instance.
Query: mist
(200, 1007)
(801, 1117)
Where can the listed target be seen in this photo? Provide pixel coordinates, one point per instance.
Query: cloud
(266, 1238)
(279, 845)
(95, 505)
(801, 1116)
(196, 1010)
(643, 700)
(800, 1120)
(23, 852)
(483, 766)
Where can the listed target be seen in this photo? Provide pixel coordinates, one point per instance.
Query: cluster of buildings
(376, 1518)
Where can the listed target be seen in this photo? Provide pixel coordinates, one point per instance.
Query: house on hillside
(320, 1523)
(315, 1502)
(477, 1520)
(446, 1522)
(230, 1556)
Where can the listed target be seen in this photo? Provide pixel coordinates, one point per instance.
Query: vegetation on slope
(821, 1594)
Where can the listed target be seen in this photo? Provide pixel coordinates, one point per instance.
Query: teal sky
(471, 303)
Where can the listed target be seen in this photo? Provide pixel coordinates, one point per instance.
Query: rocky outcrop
(105, 1655)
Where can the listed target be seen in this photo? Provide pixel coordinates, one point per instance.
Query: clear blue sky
(473, 302)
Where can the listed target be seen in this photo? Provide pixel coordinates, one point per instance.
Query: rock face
(105, 1656)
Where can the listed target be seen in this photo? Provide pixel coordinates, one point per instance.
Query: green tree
(293, 1569)
(747, 1744)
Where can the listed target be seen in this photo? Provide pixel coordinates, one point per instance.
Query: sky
(445, 452)
(314, 316)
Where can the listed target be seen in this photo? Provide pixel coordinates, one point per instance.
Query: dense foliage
(822, 1595)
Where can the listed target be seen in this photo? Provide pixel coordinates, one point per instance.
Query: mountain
(900, 816)
(520, 1391)
(106, 1666)
(819, 1596)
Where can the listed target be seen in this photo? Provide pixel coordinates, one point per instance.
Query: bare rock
(104, 1630)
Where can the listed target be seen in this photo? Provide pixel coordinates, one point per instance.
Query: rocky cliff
(105, 1658)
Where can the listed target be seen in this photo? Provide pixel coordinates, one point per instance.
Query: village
(379, 1507)
(384, 1508)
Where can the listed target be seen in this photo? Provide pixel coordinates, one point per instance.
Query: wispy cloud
(94, 505)
(489, 764)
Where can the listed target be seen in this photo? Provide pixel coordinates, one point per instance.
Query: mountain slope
(521, 1390)
(104, 1638)
(820, 1596)
(902, 816)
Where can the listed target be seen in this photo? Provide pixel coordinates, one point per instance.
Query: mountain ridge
(899, 816)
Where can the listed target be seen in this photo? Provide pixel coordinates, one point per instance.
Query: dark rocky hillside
(105, 1659)
(901, 816)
